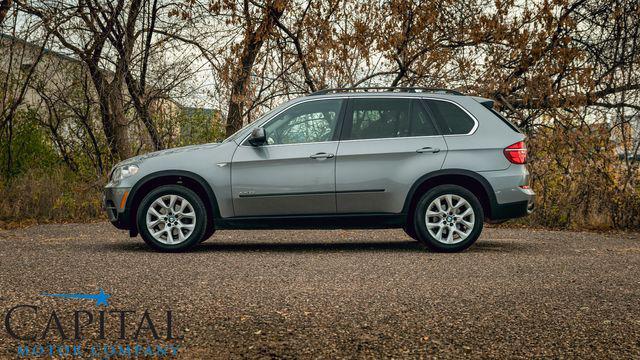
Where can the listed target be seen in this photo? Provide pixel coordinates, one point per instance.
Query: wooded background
(84, 84)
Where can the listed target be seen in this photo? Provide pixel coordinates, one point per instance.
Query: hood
(143, 157)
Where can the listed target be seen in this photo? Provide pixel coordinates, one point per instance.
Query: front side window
(308, 122)
(376, 118)
(451, 119)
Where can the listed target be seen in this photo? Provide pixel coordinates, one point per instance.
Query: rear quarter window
(450, 118)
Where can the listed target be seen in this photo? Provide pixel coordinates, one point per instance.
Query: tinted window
(421, 124)
(376, 118)
(311, 121)
(451, 118)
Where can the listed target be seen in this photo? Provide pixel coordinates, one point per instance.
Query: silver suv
(434, 162)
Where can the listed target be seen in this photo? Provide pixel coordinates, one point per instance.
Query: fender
(129, 205)
(444, 172)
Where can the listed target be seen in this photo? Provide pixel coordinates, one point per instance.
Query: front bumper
(114, 203)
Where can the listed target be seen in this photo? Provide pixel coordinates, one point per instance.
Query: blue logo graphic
(100, 298)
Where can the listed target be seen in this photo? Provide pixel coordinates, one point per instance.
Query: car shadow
(483, 246)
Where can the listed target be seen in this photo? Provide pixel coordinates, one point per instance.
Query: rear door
(387, 143)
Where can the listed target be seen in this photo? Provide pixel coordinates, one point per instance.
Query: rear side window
(377, 118)
(451, 119)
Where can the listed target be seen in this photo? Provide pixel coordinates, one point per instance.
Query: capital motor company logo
(69, 330)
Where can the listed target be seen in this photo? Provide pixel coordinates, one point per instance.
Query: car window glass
(451, 119)
(421, 124)
(311, 121)
(376, 118)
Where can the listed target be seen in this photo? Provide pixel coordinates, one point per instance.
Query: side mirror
(258, 137)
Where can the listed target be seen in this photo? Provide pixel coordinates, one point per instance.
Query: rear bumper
(512, 210)
(114, 203)
(513, 198)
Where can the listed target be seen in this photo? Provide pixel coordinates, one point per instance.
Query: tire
(465, 230)
(188, 218)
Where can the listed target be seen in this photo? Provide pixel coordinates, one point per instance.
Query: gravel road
(339, 294)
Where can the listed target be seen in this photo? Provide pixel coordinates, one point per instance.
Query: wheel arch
(188, 179)
(470, 180)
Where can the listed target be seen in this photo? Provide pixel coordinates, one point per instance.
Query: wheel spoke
(162, 203)
(159, 233)
(183, 205)
(450, 236)
(438, 235)
(460, 202)
(438, 205)
(460, 233)
(189, 215)
(467, 212)
(170, 236)
(172, 201)
(181, 236)
(449, 200)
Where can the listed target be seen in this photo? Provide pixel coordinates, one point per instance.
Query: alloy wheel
(450, 219)
(171, 219)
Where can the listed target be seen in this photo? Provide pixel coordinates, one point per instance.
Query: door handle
(428, 149)
(322, 155)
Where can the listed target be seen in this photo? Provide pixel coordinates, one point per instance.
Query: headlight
(123, 171)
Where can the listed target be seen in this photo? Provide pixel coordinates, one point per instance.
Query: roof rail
(387, 88)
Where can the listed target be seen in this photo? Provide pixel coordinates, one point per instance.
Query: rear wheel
(448, 218)
(172, 218)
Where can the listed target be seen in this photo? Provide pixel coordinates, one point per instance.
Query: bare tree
(253, 39)
(98, 22)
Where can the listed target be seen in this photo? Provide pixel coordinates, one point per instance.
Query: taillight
(516, 153)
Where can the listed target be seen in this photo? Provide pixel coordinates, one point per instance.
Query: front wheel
(448, 218)
(172, 218)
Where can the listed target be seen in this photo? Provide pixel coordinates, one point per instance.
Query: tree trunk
(119, 119)
(5, 5)
(137, 86)
(114, 122)
(253, 41)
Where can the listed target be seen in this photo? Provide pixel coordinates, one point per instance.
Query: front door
(294, 173)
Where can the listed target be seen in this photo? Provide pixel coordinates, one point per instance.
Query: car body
(338, 159)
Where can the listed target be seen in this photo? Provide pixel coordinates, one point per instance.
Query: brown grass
(49, 195)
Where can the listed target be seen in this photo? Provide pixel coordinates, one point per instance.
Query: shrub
(54, 194)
